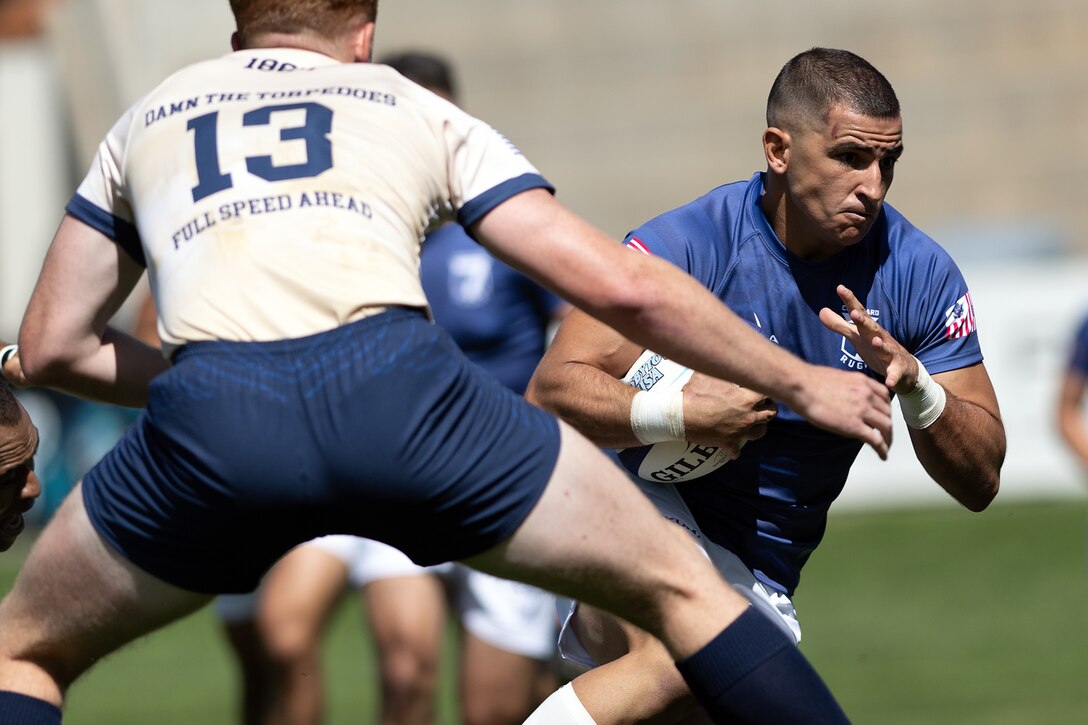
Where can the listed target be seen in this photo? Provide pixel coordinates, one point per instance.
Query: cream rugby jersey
(276, 193)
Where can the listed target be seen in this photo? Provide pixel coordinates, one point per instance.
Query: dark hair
(10, 410)
(324, 17)
(427, 69)
(812, 81)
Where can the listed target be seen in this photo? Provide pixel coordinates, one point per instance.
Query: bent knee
(408, 672)
(287, 643)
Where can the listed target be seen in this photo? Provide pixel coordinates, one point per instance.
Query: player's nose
(872, 186)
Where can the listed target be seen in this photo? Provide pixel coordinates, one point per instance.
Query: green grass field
(930, 616)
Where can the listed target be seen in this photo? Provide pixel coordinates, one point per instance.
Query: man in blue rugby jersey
(810, 255)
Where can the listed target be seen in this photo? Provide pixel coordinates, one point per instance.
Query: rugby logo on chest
(671, 461)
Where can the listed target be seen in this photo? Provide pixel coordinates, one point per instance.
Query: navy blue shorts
(380, 428)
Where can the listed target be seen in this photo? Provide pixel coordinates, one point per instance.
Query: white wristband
(657, 417)
(925, 403)
(7, 353)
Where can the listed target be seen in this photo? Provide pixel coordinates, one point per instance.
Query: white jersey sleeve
(100, 200)
(277, 193)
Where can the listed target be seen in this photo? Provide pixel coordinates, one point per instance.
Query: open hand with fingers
(847, 403)
(873, 343)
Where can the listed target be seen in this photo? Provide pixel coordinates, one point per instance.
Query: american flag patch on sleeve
(959, 319)
(636, 244)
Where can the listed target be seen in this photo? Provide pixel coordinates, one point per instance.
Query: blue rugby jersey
(770, 506)
(498, 316)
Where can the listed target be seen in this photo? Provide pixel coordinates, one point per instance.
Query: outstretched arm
(655, 304)
(579, 380)
(65, 342)
(963, 448)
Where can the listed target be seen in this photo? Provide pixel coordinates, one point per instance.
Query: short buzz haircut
(813, 81)
(427, 69)
(10, 410)
(326, 18)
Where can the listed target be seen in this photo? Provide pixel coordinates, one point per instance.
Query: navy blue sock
(752, 673)
(16, 709)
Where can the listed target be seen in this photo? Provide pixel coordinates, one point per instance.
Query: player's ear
(776, 148)
(363, 42)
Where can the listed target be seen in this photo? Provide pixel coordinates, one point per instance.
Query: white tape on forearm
(657, 417)
(925, 403)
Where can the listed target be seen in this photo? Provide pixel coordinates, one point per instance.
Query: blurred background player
(787, 249)
(507, 633)
(501, 320)
(1071, 416)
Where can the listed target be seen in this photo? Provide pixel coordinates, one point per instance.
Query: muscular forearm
(115, 368)
(595, 403)
(963, 451)
(674, 322)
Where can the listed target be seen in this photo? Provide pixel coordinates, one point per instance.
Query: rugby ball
(672, 461)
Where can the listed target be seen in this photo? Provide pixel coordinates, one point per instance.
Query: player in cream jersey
(292, 161)
(277, 197)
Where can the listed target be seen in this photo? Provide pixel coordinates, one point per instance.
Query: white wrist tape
(658, 417)
(925, 403)
(7, 353)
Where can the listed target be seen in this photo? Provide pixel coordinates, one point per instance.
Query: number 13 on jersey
(314, 132)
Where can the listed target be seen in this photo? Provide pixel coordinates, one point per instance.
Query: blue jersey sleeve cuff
(477, 209)
(120, 231)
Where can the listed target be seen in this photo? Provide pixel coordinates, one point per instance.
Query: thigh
(775, 605)
(407, 616)
(76, 600)
(594, 537)
(589, 640)
(298, 595)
